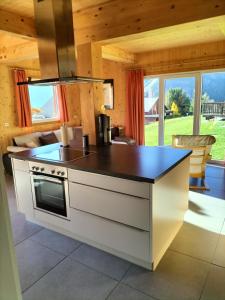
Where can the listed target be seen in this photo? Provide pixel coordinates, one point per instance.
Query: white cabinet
(126, 209)
(124, 241)
(125, 186)
(23, 189)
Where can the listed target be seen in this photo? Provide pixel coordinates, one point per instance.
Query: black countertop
(140, 163)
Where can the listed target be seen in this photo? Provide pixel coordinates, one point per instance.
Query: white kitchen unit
(134, 220)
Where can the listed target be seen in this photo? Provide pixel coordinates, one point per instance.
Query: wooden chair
(201, 146)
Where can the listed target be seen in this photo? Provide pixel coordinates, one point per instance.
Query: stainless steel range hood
(56, 45)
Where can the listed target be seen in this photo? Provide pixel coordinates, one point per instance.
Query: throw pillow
(48, 139)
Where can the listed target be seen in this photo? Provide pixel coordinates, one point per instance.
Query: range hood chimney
(56, 45)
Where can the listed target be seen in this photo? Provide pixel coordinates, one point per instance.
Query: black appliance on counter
(103, 131)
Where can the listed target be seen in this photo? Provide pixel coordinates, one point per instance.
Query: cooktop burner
(63, 155)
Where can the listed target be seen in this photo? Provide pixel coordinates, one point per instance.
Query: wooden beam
(183, 59)
(117, 54)
(15, 24)
(113, 20)
(22, 52)
(29, 51)
(91, 94)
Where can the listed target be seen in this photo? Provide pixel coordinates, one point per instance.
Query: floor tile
(213, 171)
(219, 257)
(215, 285)
(71, 280)
(124, 292)
(23, 229)
(56, 241)
(206, 205)
(204, 221)
(101, 261)
(34, 261)
(196, 242)
(177, 277)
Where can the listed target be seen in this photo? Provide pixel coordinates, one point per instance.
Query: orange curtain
(135, 106)
(22, 100)
(60, 92)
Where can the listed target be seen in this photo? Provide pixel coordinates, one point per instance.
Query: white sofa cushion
(28, 139)
(16, 149)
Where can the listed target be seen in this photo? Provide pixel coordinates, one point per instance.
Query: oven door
(50, 194)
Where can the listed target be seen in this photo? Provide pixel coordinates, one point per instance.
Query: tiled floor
(55, 267)
(215, 181)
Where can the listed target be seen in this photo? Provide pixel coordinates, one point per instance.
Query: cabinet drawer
(118, 207)
(124, 239)
(21, 165)
(130, 187)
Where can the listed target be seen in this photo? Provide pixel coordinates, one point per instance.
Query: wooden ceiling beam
(29, 51)
(115, 20)
(117, 54)
(22, 52)
(18, 25)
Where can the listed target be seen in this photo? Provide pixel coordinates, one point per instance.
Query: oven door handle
(47, 178)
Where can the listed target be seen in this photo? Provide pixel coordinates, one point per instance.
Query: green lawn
(184, 125)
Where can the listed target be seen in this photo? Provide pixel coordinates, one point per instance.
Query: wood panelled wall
(8, 109)
(116, 71)
(183, 59)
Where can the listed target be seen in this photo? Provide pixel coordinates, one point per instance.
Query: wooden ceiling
(26, 8)
(203, 31)
(104, 20)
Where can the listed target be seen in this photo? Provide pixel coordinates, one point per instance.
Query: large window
(44, 106)
(191, 103)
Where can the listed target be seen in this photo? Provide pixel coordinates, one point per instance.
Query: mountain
(212, 83)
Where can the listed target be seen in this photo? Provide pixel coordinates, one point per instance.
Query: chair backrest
(200, 146)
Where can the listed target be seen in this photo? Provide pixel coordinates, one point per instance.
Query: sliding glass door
(213, 111)
(179, 99)
(191, 103)
(151, 108)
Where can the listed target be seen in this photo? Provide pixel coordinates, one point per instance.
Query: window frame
(49, 120)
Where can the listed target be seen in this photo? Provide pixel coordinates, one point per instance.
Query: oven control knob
(33, 168)
(62, 173)
(58, 172)
(42, 169)
(52, 171)
(37, 168)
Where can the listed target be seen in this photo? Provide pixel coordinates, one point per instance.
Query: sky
(39, 95)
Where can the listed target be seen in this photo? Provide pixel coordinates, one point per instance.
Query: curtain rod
(29, 69)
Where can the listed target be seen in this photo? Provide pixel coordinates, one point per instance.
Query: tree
(205, 98)
(181, 99)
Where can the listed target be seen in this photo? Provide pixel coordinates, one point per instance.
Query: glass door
(179, 99)
(151, 108)
(213, 111)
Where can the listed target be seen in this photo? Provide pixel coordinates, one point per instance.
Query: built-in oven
(50, 189)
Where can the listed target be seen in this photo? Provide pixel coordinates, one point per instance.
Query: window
(187, 103)
(44, 106)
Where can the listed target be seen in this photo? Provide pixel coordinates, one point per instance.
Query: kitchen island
(127, 200)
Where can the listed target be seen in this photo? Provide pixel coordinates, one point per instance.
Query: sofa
(37, 139)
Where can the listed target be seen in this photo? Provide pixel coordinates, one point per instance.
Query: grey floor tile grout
(28, 237)
(91, 268)
(58, 252)
(193, 257)
(44, 275)
(140, 291)
(204, 285)
(110, 293)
